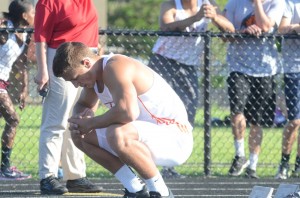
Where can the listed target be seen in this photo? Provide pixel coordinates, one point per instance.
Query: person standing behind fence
(252, 64)
(13, 50)
(291, 65)
(58, 21)
(178, 59)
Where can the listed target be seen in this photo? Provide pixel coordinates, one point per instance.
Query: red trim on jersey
(166, 121)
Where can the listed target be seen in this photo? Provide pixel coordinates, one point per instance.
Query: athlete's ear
(86, 62)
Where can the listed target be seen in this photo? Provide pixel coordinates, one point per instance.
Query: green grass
(25, 152)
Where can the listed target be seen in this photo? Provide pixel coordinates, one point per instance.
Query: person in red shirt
(58, 21)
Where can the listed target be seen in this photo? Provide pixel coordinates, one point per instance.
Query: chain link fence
(213, 146)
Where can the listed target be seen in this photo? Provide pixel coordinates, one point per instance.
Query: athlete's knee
(116, 138)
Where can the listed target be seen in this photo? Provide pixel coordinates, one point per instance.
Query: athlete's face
(80, 76)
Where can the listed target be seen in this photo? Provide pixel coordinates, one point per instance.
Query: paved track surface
(190, 187)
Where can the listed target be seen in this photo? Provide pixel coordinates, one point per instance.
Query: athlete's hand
(78, 124)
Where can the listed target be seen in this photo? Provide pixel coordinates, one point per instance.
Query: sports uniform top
(9, 52)
(290, 47)
(253, 56)
(56, 19)
(185, 50)
(159, 105)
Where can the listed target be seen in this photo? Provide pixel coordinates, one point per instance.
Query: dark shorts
(253, 96)
(292, 95)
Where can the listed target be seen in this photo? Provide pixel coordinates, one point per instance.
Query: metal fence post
(207, 107)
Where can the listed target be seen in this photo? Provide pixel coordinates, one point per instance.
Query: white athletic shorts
(168, 145)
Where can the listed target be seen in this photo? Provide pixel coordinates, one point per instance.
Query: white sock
(157, 184)
(129, 179)
(253, 161)
(239, 147)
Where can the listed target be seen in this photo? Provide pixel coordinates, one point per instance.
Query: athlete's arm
(88, 100)
(118, 77)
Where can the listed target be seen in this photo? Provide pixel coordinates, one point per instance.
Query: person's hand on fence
(253, 30)
(210, 11)
(294, 29)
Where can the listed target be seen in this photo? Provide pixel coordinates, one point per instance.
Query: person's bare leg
(289, 136)
(90, 146)
(123, 139)
(255, 139)
(297, 162)
(238, 124)
(9, 132)
(11, 118)
(296, 131)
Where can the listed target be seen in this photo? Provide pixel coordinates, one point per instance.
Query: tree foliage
(134, 14)
(137, 14)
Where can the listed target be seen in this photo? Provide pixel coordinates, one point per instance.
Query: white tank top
(159, 105)
(9, 52)
(185, 50)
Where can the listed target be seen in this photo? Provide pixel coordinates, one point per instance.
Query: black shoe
(82, 185)
(238, 166)
(171, 173)
(157, 195)
(296, 172)
(251, 174)
(51, 186)
(140, 194)
(283, 171)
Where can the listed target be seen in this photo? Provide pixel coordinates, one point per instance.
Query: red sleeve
(44, 23)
